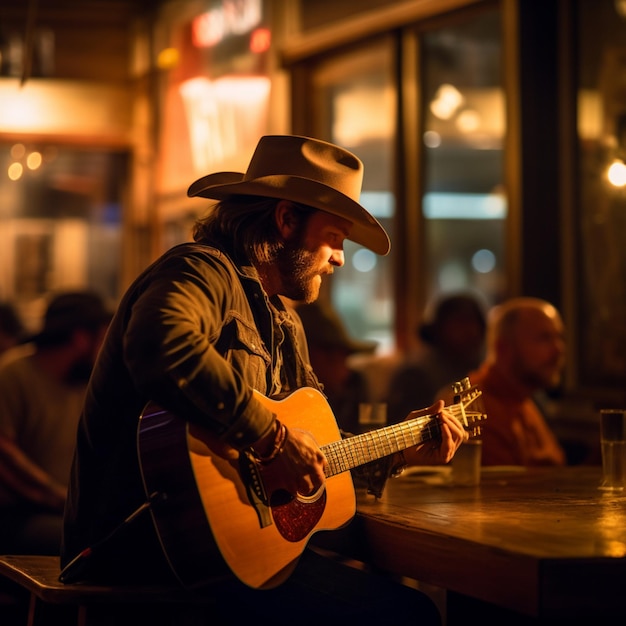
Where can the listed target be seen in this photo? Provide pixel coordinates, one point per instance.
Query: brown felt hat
(307, 171)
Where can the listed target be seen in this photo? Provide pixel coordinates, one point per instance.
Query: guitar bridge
(250, 476)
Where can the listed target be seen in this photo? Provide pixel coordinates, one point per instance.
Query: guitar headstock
(465, 395)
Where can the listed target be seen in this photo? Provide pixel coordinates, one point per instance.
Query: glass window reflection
(463, 204)
(355, 101)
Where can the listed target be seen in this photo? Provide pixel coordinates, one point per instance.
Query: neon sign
(231, 17)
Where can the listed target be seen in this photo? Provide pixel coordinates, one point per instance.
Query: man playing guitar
(203, 339)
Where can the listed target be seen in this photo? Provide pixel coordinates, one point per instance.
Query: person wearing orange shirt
(525, 355)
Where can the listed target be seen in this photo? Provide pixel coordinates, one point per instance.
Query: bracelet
(398, 469)
(277, 448)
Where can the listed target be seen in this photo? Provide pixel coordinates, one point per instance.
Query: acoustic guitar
(208, 500)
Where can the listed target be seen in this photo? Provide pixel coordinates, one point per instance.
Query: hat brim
(366, 230)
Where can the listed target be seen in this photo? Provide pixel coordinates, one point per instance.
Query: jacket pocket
(242, 347)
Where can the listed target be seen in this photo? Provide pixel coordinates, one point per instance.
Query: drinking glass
(613, 444)
(466, 463)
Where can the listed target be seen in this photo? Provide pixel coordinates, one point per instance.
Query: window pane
(60, 222)
(355, 104)
(463, 205)
(602, 191)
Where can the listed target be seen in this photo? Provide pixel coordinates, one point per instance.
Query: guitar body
(213, 501)
(215, 509)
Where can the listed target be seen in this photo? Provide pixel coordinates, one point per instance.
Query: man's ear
(285, 218)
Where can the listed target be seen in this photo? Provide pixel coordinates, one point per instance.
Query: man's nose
(337, 258)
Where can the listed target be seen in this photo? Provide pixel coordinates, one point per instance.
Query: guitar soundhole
(280, 497)
(296, 517)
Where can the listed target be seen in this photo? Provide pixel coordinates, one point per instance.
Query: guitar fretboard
(354, 451)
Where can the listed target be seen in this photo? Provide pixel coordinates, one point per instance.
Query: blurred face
(538, 349)
(87, 348)
(463, 337)
(310, 253)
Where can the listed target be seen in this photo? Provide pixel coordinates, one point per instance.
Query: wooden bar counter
(544, 543)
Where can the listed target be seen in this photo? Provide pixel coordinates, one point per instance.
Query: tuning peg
(461, 386)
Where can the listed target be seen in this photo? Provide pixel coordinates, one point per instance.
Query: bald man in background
(525, 355)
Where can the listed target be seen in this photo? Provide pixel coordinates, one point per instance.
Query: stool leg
(32, 610)
(44, 614)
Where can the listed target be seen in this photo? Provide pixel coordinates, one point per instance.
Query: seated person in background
(42, 387)
(330, 347)
(453, 336)
(525, 355)
(11, 327)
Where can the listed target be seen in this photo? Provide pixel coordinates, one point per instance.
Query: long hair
(247, 223)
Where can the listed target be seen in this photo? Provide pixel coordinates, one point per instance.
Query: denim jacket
(194, 333)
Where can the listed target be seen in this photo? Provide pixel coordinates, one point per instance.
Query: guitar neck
(346, 454)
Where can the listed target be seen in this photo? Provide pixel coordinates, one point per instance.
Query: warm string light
(617, 173)
(33, 161)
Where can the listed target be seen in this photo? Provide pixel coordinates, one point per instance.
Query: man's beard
(298, 276)
(547, 378)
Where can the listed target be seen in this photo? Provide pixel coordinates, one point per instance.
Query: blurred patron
(11, 328)
(525, 356)
(330, 348)
(42, 387)
(453, 338)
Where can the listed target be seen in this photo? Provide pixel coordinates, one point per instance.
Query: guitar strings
(347, 453)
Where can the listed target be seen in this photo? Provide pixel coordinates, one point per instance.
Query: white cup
(466, 463)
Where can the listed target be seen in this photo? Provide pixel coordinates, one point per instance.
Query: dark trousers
(326, 591)
(322, 590)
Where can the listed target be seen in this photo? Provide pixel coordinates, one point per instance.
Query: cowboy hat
(304, 170)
